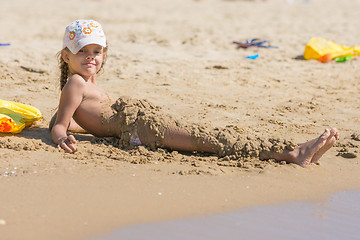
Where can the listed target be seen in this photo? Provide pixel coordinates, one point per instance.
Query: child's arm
(73, 126)
(71, 97)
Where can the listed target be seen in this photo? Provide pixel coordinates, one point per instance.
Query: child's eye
(81, 50)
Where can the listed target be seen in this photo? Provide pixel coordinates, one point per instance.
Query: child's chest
(94, 93)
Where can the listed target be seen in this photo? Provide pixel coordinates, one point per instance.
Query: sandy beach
(180, 56)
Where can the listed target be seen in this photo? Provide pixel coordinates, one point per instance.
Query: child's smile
(88, 61)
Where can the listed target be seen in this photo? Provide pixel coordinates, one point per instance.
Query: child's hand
(68, 144)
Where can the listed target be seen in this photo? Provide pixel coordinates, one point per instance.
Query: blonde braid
(64, 71)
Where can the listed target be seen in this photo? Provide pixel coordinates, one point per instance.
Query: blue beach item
(253, 56)
(4, 44)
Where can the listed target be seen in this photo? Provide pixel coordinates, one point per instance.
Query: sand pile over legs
(234, 147)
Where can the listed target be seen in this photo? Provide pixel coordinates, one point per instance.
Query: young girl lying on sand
(84, 106)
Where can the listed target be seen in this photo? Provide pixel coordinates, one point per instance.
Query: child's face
(87, 62)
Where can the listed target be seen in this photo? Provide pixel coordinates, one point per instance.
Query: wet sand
(336, 217)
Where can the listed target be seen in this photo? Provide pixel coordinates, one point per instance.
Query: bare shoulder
(75, 87)
(75, 81)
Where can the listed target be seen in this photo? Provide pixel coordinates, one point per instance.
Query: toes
(334, 133)
(327, 131)
(328, 137)
(337, 135)
(325, 135)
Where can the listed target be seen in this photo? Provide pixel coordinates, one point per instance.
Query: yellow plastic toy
(14, 117)
(318, 47)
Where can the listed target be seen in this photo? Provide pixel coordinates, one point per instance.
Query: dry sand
(179, 55)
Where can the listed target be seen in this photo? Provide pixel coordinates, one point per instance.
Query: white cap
(80, 33)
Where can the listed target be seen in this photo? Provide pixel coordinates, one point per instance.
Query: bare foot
(334, 135)
(304, 152)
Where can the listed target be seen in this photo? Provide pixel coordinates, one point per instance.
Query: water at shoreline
(337, 217)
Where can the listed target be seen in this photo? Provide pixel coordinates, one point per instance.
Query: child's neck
(91, 78)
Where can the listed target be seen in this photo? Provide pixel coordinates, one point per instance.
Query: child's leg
(181, 139)
(307, 152)
(176, 138)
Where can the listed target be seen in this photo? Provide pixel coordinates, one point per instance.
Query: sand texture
(178, 55)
